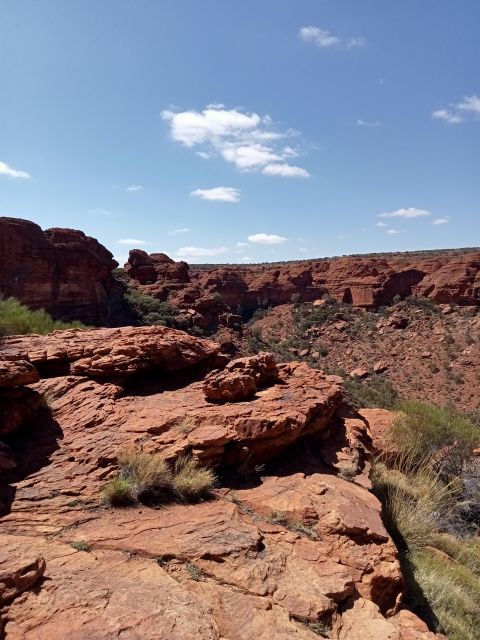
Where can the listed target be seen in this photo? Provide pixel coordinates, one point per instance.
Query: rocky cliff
(60, 270)
(215, 293)
(290, 545)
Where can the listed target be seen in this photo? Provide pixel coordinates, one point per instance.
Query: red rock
(13, 374)
(241, 378)
(397, 322)
(20, 569)
(18, 406)
(360, 372)
(110, 353)
(61, 270)
(380, 367)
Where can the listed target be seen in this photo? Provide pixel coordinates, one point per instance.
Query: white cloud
(200, 252)
(6, 170)
(320, 37)
(392, 231)
(248, 156)
(458, 112)
(470, 103)
(176, 232)
(368, 123)
(131, 241)
(246, 259)
(134, 187)
(447, 116)
(266, 238)
(324, 39)
(405, 213)
(249, 141)
(285, 170)
(100, 211)
(221, 194)
(193, 127)
(242, 244)
(381, 224)
(441, 221)
(356, 42)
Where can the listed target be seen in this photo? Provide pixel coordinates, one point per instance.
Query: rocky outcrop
(61, 270)
(109, 353)
(291, 541)
(241, 378)
(369, 281)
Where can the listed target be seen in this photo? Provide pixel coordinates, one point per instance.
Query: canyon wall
(60, 270)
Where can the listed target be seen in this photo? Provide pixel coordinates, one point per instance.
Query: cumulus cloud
(285, 170)
(249, 141)
(437, 221)
(176, 232)
(458, 112)
(368, 123)
(381, 224)
(405, 213)
(324, 39)
(242, 244)
(447, 116)
(7, 170)
(131, 241)
(470, 103)
(134, 187)
(200, 252)
(221, 194)
(393, 231)
(266, 238)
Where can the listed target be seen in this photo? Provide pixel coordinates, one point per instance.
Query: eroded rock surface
(279, 549)
(61, 270)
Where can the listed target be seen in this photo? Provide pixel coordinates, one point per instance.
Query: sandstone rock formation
(362, 281)
(241, 378)
(279, 551)
(61, 270)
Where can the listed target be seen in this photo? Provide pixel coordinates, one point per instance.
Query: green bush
(17, 319)
(376, 391)
(439, 433)
(430, 492)
(150, 310)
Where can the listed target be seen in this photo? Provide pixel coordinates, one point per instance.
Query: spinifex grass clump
(17, 319)
(148, 478)
(430, 490)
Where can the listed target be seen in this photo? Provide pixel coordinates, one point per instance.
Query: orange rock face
(361, 281)
(279, 548)
(61, 270)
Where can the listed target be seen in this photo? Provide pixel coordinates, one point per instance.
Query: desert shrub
(296, 298)
(17, 319)
(259, 314)
(148, 309)
(292, 524)
(439, 433)
(81, 545)
(307, 316)
(148, 478)
(376, 391)
(120, 492)
(191, 482)
(434, 516)
(425, 304)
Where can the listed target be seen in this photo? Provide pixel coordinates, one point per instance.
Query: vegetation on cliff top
(17, 319)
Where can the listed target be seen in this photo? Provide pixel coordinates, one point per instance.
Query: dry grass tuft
(191, 482)
(148, 478)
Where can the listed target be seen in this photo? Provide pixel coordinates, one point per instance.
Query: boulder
(13, 374)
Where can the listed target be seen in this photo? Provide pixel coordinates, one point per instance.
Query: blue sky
(223, 131)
